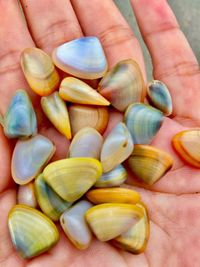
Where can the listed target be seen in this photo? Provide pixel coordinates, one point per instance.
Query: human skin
(174, 201)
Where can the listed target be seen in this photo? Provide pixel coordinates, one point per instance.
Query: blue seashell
(83, 58)
(20, 119)
(160, 97)
(29, 157)
(143, 122)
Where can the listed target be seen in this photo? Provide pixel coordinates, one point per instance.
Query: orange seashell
(187, 145)
(88, 116)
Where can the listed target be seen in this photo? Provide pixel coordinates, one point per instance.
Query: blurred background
(188, 15)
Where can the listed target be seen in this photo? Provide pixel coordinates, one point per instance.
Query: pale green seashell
(26, 195)
(56, 111)
(71, 178)
(86, 143)
(149, 163)
(32, 233)
(50, 203)
(160, 97)
(109, 220)
(83, 58)
(75, 226)
(143, 122)
(76, 91)
(113, 178)
(20, 119)
(136, 238)
(117, 147)
(123, 85)
(29, 157)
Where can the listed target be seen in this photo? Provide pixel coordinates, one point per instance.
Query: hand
(173, 202)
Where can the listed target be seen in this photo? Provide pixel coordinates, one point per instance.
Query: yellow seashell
(88, 116)
(32, 233)
(110, 195)
(149, 163)
(39, 71)
(56, 111)
(109, 220)
(76, 91)
(187, 145)
(71, 178)
(136, 238)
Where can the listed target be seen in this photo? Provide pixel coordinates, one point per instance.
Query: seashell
(123, 85)
(113, 178)
(26, 195)
(75, 225)
(159, 97)
(136, 238)
(149, 163)
(32, 233)
(83, 58)
(143, 122)
(110, 220)
(56, 111)
(86, 143)
(88, 116)
(187, 145)
(117, 147)
(50, 203)
(29, 157)
(71, 178)
(77, 91)
(39, 71)
(113, 195)
(20, 119)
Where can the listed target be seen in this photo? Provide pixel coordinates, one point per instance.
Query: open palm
(174, 201)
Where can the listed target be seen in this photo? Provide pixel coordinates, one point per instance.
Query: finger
(103, 19)
(14, 37)
(51, 23)
(173, 60)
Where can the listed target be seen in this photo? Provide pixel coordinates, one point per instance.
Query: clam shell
(77, 91)
(149, 163)
(26, 195)
(113, 195)
(39, 71)
(86, 143)
(50, 203)
(75, 226)
(136, 238)
(187, 145)
(110, 220)
(56, 111)
(20, 119)
(71, 178)
(143, 122)
(32, 233)
(159, 96)
(29, 157)
(123, 85)
(113, 178)
(83, 58)
(88, 116)
(117, 147)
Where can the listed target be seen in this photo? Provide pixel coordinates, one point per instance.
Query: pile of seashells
(93, 169)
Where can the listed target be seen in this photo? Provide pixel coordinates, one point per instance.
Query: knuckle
(116, 35)
(57, 33)
(9, 62)
(180, 69)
